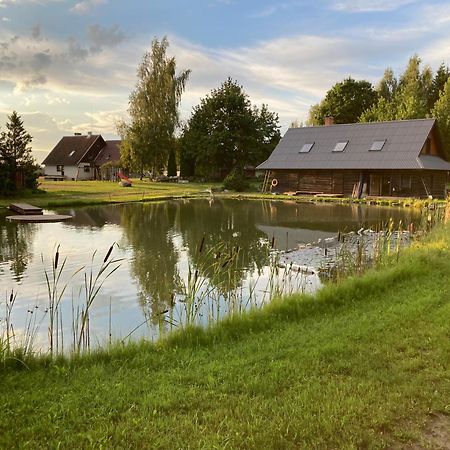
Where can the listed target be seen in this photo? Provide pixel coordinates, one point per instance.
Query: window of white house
(377, 145)
(340, 146)
(72, 153)
(306, 147)
(87, 169)
(59, 168)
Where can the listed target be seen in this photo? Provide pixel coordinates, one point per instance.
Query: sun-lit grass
(359, 365)
(60, 193)
(75, 193)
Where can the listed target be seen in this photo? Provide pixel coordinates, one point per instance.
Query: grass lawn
(60, 193)
(78, 193)
(365, 364)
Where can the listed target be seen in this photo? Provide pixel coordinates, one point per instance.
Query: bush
(235, 181)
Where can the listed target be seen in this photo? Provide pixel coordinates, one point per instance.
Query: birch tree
(153, 110)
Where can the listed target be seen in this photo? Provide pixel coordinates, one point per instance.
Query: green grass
(359, 365)
(62, 193)
(78, 193)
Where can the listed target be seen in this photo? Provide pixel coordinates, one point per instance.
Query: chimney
(329, 120)
(89, 133)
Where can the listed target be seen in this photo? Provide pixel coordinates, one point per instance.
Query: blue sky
(69, 66)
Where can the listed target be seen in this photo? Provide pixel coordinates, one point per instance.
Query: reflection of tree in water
(149, 229)
(229, 224)
(15, 243)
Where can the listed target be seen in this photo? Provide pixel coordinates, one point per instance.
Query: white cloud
(274, 9)
(5, 3)
(101, 121)
(86, 6)
(360, 6)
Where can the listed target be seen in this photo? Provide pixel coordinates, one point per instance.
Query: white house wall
(70, 172)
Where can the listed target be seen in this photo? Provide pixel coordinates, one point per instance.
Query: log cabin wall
(393, 183)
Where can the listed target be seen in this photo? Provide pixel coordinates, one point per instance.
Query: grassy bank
(77, 193)
(360, 365)
(65, 193)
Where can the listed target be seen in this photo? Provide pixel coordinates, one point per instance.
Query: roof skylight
(72, 153)
(306, 148)
(340, 146)
(377, 145)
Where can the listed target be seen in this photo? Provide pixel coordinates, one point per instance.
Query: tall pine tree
(17, 165)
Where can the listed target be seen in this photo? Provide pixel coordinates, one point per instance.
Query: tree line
(18, 168)
(418, 93)
(223, 135)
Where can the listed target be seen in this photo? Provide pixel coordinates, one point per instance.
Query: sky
(69, 66)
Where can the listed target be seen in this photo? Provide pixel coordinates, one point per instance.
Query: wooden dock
(39, 218)
(25, 208)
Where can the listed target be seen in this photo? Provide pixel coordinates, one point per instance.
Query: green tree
(225, 132)
(441, 77)
(441, 112)
(17, 165)
(153, 109)
(172, 164)
(409, 98)
(345, 102)
(387, 87)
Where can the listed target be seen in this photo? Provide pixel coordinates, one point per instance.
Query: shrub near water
(236, 181)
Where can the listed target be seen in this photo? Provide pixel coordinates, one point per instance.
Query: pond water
(164, 246)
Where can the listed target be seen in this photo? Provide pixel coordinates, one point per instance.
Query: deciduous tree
(153, 109)
(345, 102)
(441, 112)
(225, 132)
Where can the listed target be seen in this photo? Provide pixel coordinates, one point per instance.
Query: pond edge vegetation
(364, 271)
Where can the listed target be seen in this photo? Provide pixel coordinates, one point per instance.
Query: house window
(87, 169)
(340, 146)
(72, 153)
(377, 145)
(405, 183)
(306, 148)
(59, 168)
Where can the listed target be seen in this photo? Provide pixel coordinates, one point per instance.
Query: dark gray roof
(404, 142)
(62, 153)
(111, 152)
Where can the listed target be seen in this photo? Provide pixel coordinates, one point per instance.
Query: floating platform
(25, 208)
(39, 218)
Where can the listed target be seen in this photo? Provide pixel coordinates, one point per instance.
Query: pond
(172, 253)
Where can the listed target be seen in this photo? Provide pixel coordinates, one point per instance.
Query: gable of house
(109, 153)
(70, 150)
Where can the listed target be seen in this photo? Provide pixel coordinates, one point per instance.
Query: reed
(93, 282)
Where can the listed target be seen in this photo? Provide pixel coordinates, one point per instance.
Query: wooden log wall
(394, 183)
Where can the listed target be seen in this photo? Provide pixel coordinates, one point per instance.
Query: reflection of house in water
(94, 216)
(288, 238)
(293, 223)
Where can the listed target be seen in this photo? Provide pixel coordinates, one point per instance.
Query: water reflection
(15, 247)
(150, 229)
(160, 242)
